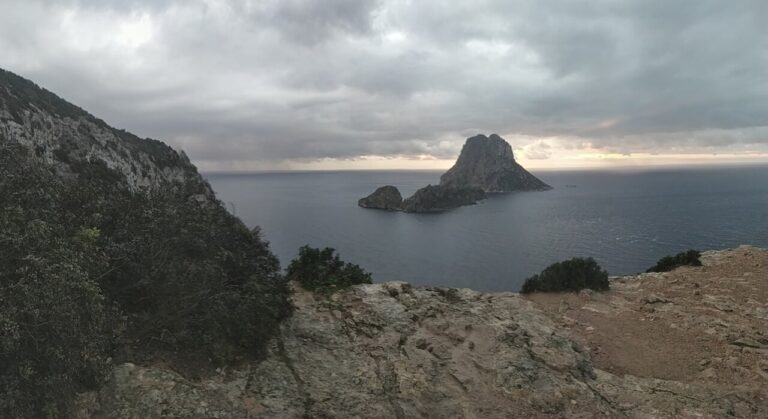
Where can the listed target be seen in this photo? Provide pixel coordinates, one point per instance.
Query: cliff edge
(392, 350)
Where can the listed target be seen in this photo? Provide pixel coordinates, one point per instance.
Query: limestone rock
(489, 164)
(386, 197)
(654, 299)
(394, 351)
(71, 140)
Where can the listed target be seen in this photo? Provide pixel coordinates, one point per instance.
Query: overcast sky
(281, 84)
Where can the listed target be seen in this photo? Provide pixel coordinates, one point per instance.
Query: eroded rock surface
(391, 350)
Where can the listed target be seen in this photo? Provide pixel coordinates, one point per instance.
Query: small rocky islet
(485, 166)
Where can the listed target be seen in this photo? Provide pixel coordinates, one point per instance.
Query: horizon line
(636, 167)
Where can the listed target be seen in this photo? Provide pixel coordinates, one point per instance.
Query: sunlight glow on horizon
(579, 161)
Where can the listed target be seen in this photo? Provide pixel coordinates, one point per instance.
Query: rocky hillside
(113, 249)
(686, 344)
(70, 139)
(489, 164)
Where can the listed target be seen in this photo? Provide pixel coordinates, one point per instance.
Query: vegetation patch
(88, 267)
(323, 271)
(570, 275)
(668, 263)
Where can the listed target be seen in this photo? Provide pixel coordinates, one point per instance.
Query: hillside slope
(69, 138)
(114, 248)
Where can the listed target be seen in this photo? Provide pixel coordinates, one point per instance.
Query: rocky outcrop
(485, 165)
(489, 164)
(392, 350)
(431, 198)
(71, 140)
(386, 197)
(384, 351)
(440, 198)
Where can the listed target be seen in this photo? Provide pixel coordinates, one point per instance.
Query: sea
(625, 219)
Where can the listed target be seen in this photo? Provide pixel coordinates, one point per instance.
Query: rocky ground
(686, 344)
(705, 326)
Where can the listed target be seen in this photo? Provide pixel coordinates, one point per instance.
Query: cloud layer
(254, 84)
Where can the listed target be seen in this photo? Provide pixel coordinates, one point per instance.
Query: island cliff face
(486, 165)
(489, 164)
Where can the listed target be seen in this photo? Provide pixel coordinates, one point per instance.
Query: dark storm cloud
(271, 80)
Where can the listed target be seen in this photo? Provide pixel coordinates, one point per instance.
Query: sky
(245, 85)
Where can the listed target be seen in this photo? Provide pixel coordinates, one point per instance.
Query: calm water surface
(625, 220)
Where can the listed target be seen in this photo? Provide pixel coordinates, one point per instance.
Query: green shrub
(570, 275)
(79, 255)
(668, 263)
(324, 271)
(56, 326)
(192, 277)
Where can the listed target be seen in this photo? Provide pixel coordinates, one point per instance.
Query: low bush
(322, 270)
(570, 275)
(668, 263)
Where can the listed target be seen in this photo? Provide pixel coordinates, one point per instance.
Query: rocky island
(489, 164)
(386, 197)
(436, 198)
(486, 165)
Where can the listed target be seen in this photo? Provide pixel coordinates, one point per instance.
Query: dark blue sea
(626, 220)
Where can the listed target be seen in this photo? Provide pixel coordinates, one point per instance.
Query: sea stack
(486, 165)
(489, 164)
